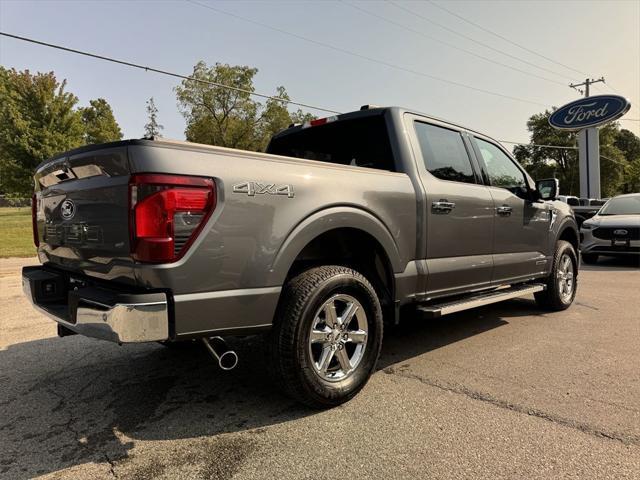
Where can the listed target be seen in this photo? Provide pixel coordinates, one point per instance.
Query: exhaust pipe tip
(218, 348)
(228, 360)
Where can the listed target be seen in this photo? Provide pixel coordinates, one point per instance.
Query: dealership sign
(589, 112)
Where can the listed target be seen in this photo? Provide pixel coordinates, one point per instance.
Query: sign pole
(589, 152)
(589, 162)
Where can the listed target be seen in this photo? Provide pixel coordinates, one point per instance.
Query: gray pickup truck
(317, 243)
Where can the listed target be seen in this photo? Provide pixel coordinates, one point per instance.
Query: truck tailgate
(82, 209)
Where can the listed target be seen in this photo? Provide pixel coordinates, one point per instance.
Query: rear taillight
(167, 213)
(34, 220)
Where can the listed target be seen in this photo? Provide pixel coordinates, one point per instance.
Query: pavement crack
(586, 305)
(112, 465)
(514, 407)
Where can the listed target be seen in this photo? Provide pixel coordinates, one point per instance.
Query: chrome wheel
(565, 278)
(338, 337)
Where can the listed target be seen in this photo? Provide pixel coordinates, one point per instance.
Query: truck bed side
(242, 256)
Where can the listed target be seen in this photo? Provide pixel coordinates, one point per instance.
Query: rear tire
(589, 258)
(326, 336)
(562, 283)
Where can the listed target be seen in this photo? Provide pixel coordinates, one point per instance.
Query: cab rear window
(361, 142)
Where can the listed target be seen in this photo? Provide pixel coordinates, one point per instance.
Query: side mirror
(548, 188)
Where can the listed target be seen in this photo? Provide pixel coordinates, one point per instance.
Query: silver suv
(614, 230)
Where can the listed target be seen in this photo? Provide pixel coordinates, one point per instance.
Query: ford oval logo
(620, 232)
(589, 112)
(68, 209)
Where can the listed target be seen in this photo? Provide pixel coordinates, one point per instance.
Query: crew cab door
(459, 209)
(522, 226)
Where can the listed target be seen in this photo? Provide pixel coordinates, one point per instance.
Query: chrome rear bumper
(98, 312)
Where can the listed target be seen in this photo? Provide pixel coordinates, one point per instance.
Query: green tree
(612, 161)
(37, 120)
(300, 117)
(231, 118)
(543, 162)
(631, 182)
(99, 123)
(152, 128)
(629, 145)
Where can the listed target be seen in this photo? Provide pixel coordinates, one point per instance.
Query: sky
(338, 56)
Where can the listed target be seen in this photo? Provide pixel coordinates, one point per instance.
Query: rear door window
(444, 153)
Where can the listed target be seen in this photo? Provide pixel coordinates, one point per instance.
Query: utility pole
(586, 84)
(588, 150)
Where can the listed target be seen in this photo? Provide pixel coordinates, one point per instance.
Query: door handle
(443, 206)
(504, 210)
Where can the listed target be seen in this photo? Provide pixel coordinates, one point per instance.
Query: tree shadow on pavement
(612, 264)
(69, 401)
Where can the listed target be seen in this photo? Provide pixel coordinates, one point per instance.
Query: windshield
(622, 206)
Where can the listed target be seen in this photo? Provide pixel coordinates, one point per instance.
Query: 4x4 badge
(255, 188)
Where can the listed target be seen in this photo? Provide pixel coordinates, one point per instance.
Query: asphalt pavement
(504, 391)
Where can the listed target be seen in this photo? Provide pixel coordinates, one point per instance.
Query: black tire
(290, 356)
(589, 258)
(552, 298)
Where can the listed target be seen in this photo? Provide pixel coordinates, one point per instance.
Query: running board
(437, 310)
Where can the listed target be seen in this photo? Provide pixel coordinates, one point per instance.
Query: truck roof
(367, 112)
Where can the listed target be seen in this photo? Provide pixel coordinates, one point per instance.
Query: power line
(486, 45)
(165, 72)
(539, 145)
(450, 45)
(614, 161)
(558, 147)
(221, 85)
(502, 37)
(366, 57)
(586, 84)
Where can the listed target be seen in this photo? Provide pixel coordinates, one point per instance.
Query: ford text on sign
(589, 112)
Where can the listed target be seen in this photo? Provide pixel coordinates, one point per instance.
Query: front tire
(562, 283)
(326, 336)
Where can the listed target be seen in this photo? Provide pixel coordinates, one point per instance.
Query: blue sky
(598, 38)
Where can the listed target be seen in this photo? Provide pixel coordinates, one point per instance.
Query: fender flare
(567, 223)
(324, 221)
